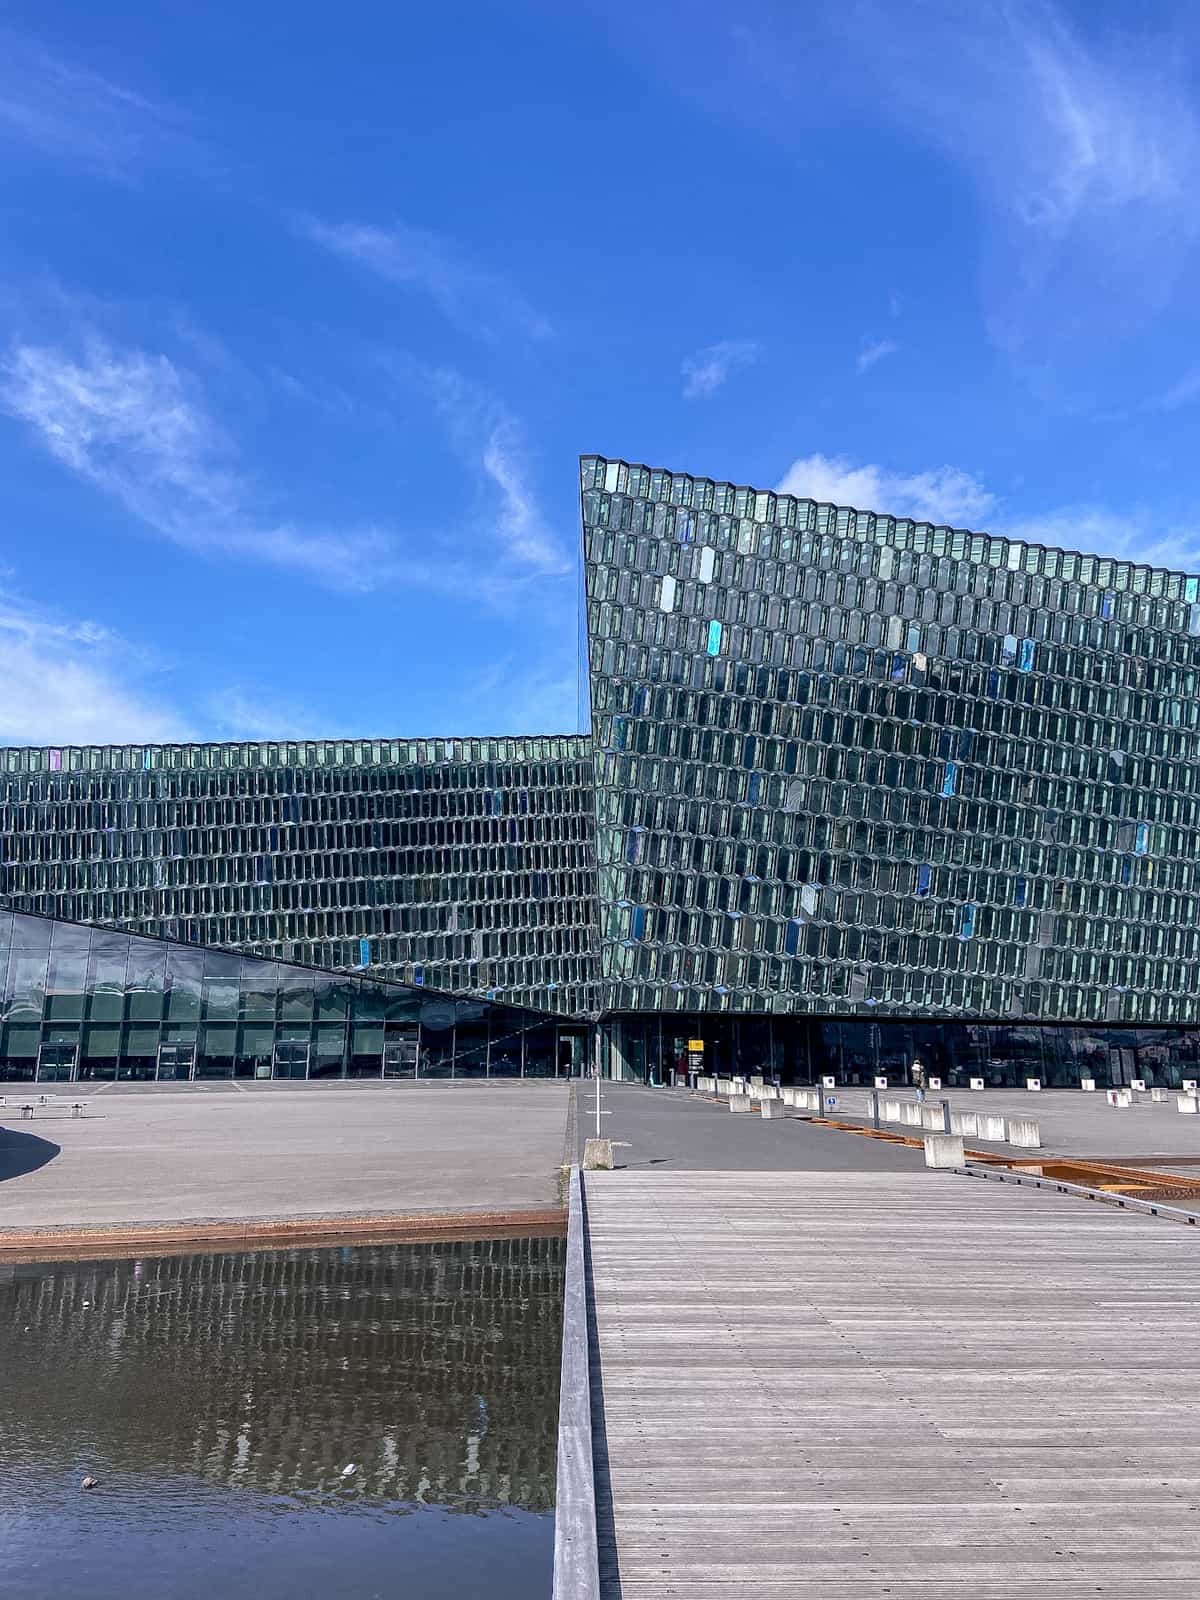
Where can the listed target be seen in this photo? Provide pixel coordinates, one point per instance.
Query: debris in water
(90, 1483)
(349, 1470)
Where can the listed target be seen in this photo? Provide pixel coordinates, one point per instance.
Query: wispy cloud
(74, 682)
(1084, 152)
(944, 495)
(238, 713)
(1138, 534)
(707, 370)
(950, 496)
(517, 543)
(873, 352)
(134, 425)
(510, 696)
(469, 296)
(66, 111)
(1180, 394)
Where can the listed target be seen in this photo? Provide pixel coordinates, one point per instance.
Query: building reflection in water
(432, 1367)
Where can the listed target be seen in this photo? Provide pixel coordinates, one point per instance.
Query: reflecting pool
(220, 1402)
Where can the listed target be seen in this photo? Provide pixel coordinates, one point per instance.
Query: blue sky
(307, 312)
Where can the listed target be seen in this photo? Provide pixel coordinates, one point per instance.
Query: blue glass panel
(1027, 655)
(967, 930)
(950, 781)
(924, 879)
(714, 638)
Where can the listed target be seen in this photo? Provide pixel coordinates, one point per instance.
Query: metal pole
(945, 1116)
(875, 1109)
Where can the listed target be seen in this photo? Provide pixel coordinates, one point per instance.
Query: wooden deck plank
(891, 1384)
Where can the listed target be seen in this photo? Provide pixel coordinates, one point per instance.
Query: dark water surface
(217, 1399)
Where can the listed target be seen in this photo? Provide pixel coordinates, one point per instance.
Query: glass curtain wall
(646, 1049)
(79, 1003)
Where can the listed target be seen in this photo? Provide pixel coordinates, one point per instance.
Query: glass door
(400, 1052)
(291, 1058)
(57, 1063)
(177, 1059)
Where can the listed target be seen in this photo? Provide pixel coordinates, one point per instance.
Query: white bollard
(829, 1081)
(991, 1126)
(932, 1118)
(910, 1114)
(1189, 1104)
(1138, 1085)
(1024, 1132)
(943, 1150)
(1088, 1085)
(739, 1102)
(881, 1083)
(977, 1083)
(965, 1122)
(934, 1083)
(1034, 1085)
(1190, 1086)
(1158, 1096)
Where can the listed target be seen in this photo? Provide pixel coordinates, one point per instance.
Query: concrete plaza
(280, 1153)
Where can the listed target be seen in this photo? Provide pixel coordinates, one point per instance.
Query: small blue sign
(830, 1101)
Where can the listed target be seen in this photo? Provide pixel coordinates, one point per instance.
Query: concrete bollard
(910, 1114)
(1024, 1132)
(1189, 1086)
(890, 1110)
(880, 1083)
(1158, 1096)
(943, 1150)
(771, 1109)
(1034, 1085)
(932, 1118)
(1138, 1085)
(965, 1122)
(1088, 1085)
(1189, 1104)
(991, 1126)
(828, 1081)
(597, 1155)
(977, 1083)
(739, 1102)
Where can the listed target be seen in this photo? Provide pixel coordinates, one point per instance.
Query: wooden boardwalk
(850, 1387)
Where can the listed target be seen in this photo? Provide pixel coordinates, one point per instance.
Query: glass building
(858, 787)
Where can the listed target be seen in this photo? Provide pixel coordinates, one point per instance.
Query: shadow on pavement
(23, 1152)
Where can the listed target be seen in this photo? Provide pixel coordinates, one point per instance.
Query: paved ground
(668, 1130)
(290, 1152)
(1072, 1123)
(891, 1387)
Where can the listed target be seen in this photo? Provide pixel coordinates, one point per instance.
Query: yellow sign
(695, 1044)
